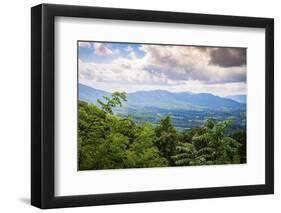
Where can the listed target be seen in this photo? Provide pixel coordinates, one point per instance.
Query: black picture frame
(43, 105)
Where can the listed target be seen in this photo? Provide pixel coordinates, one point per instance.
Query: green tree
(211, 147)
(166, 138)
(115, 100)
(240, 136)
(107, 141)
(110, 142)
(143, 153)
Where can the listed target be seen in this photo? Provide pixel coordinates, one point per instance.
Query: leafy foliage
(241, 138)
(210, 147)
(115, 100)
(107, 141)
(167, 138)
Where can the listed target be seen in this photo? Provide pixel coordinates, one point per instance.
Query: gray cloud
(178, 72)
(228, 57)
(173, 68)
(210, 65)
(230, 74)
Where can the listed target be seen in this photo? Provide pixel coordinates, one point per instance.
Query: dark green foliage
(167, 139)
(107, 141)
(241, 138)
(211, 146)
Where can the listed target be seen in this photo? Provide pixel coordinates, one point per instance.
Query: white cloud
(187, 62)
(172, 68)
(129, 49)
(85, 44)
(120, 70)
(101, 49)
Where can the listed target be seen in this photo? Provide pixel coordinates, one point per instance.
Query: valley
(187, 110)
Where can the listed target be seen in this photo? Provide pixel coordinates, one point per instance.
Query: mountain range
(168, 100)
(238, 98)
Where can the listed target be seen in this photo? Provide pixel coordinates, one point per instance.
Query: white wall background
(15, 105)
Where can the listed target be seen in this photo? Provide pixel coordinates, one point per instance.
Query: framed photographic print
(139, 106)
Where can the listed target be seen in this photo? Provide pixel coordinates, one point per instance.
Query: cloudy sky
(133, 67)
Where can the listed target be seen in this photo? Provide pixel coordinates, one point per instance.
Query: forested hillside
(186, 110)
(109, 141)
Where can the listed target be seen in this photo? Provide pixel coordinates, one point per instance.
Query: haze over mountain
(186, 109)
(165, 100)
(206, 78)
(238, 98)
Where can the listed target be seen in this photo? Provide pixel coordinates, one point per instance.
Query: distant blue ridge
(169, 100)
